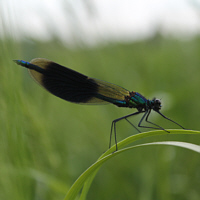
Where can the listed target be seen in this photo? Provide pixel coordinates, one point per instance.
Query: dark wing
(74, 86)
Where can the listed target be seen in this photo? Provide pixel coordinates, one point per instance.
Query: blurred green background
(46, 142)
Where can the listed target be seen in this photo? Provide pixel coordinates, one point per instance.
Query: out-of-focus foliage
(46, 143)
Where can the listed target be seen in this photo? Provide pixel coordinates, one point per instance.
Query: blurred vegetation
(46, 143)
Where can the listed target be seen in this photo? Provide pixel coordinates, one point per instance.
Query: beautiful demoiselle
(77, 88)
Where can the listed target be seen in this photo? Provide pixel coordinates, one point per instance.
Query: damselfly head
(156, 104)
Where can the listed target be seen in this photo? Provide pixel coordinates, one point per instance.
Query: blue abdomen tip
(21, 62)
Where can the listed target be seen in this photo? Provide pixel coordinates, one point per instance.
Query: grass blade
(87, 177)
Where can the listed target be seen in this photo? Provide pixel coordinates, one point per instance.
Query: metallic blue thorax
(137, 100)
(134, 100)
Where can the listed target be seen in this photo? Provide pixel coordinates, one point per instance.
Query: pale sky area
(94, 21)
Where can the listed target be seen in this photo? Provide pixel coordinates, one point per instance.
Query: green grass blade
(143, 135)
(88, 176)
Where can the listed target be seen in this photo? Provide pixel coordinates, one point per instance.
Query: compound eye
(157, 103)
